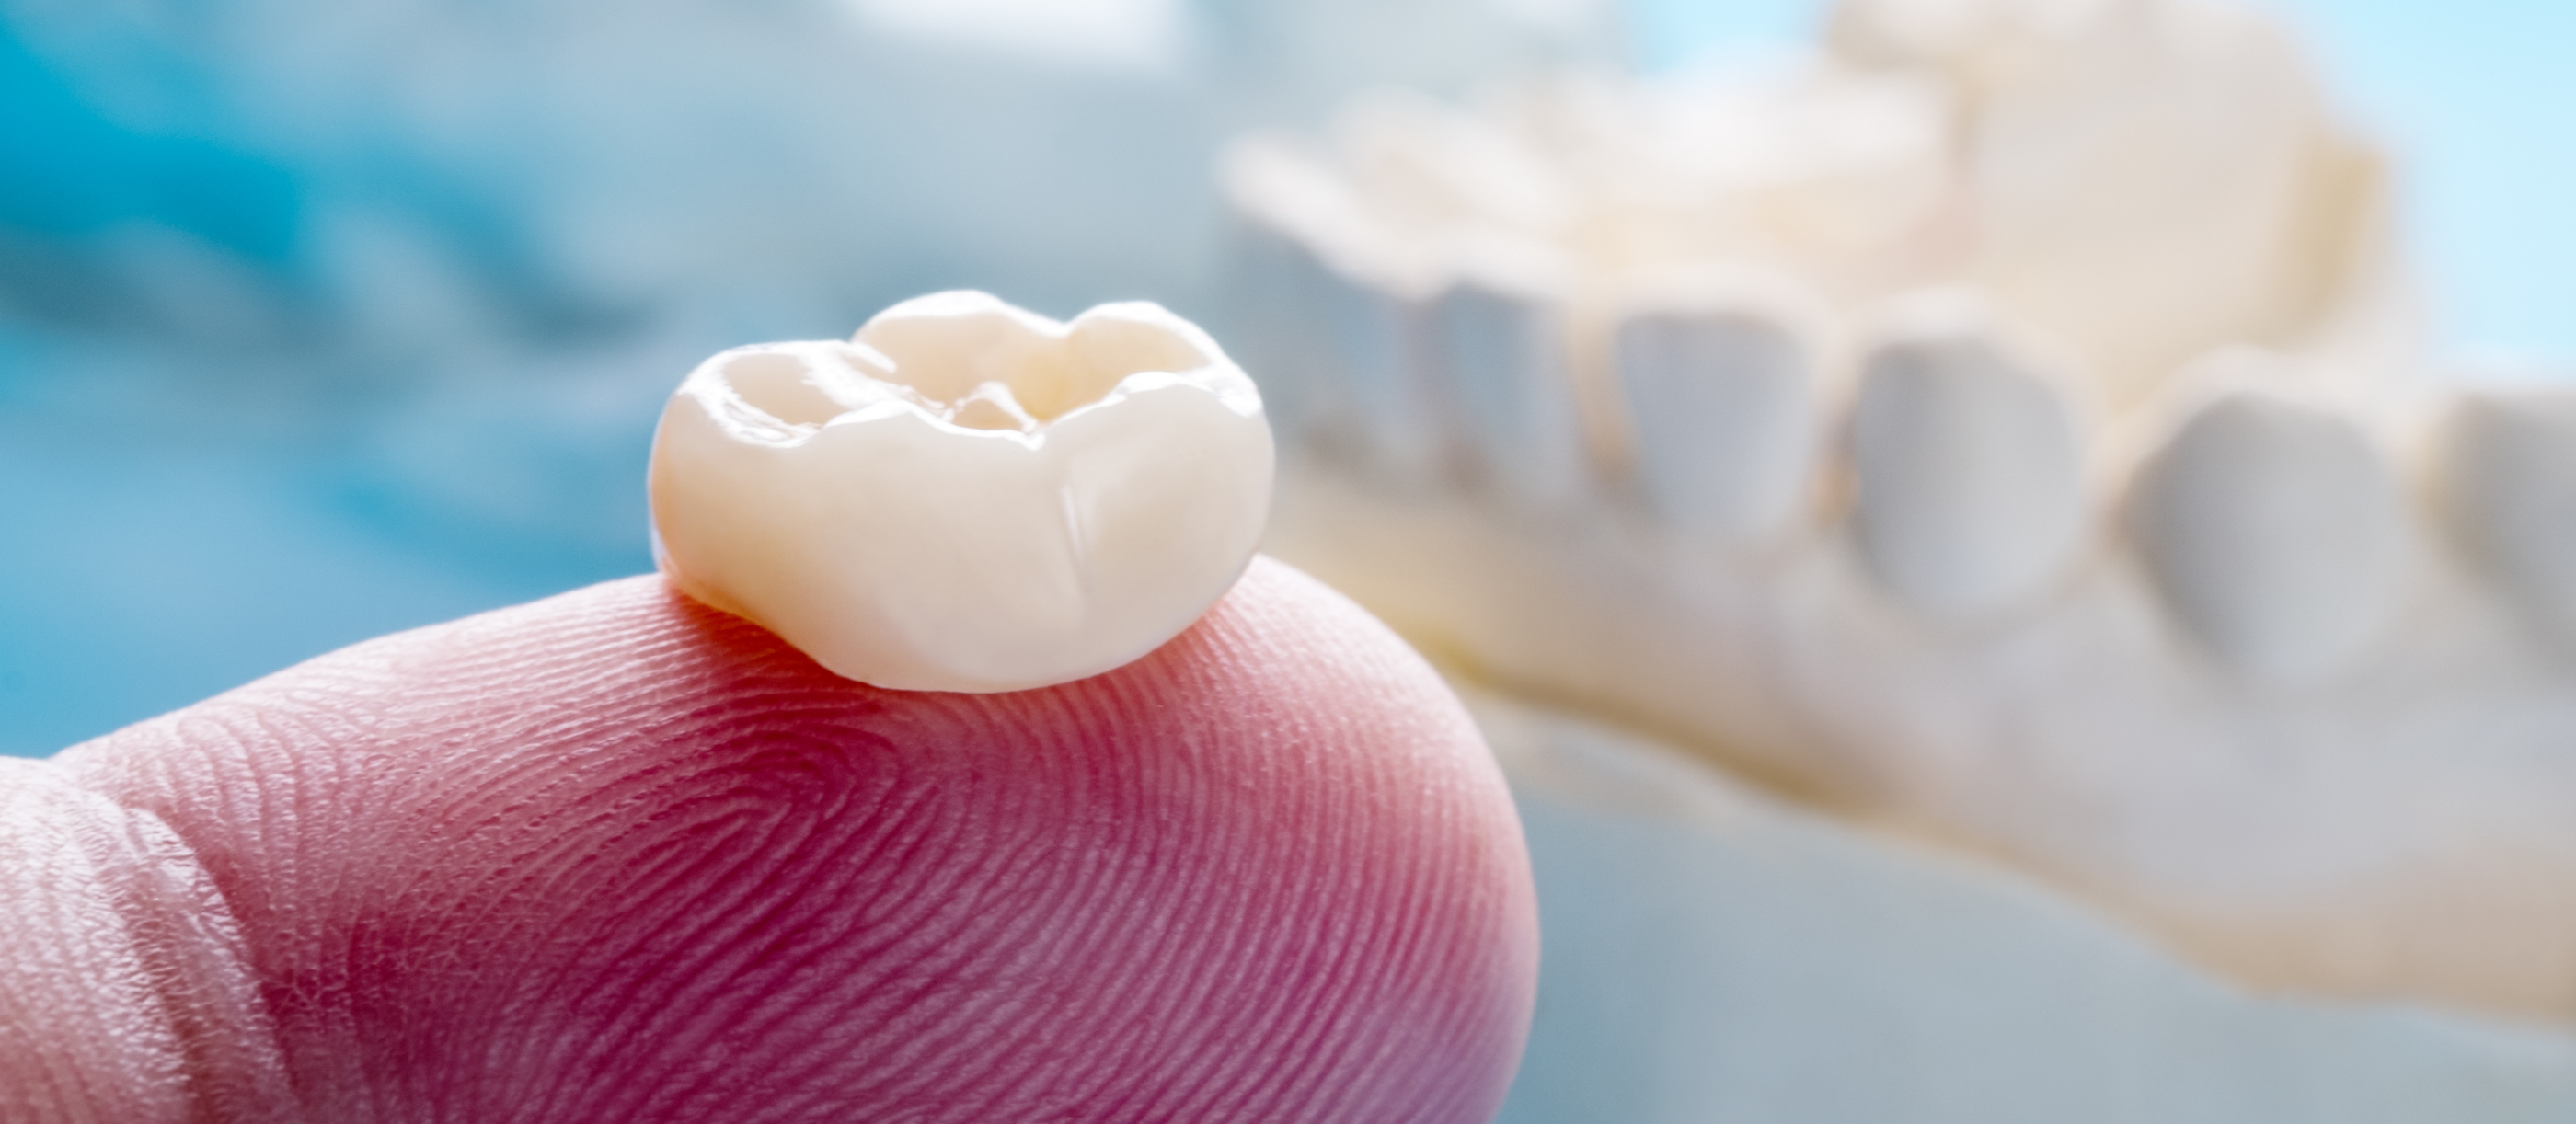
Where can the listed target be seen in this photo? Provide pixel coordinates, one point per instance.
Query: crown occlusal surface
(966, 496)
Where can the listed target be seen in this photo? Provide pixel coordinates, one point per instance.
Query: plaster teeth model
(2145, 177)
(2509, 482)
(2112, 572)
(2276, 529)
(1725, 415)
(1498, 351)
(1967, 467)
(967, 497)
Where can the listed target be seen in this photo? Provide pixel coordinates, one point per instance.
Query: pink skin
(616, 856)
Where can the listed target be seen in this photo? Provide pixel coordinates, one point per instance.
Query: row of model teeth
(1975, 468)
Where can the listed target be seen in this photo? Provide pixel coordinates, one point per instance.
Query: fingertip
(124, 992)
(627, 857)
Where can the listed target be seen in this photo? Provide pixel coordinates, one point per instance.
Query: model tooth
(2150, 179)
(1285, 346)
(2509, 484)
(1374, 329)
(1337, 314)
(967, 497)
(1720, 401)
(1499, 347)
(2276, 529)
(1433, 165)
(1968, 465)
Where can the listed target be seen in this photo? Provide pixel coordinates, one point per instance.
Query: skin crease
(617, 856)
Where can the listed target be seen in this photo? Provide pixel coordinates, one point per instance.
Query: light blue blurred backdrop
(319, 322)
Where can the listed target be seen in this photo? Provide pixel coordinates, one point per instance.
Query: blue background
(169, 528)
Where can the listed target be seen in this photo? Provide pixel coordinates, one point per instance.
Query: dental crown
(966, 496)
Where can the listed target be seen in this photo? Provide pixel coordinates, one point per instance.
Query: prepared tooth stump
(966, 496)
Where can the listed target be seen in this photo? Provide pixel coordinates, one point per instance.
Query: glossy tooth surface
(1968, 468)
(2509, 485)
(967, 497)
(2277, 531)
(1721, 404)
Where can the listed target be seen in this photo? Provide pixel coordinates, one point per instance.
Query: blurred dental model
(2002, 429)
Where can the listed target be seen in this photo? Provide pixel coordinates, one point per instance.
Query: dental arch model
(965, 496)
(1890, 429)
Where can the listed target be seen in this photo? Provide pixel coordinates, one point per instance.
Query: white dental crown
(966, 496)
